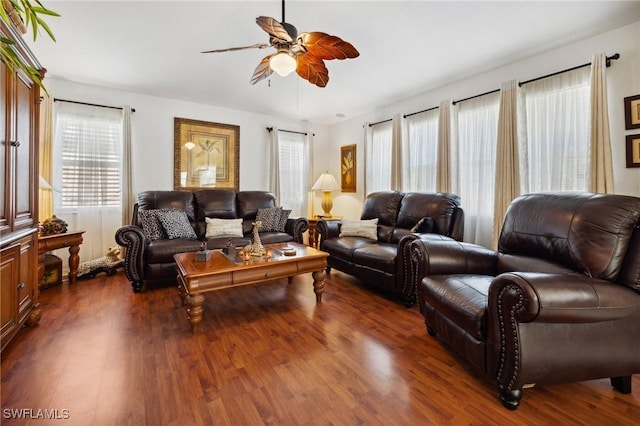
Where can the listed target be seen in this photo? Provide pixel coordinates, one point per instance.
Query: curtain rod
(420, 112)
(476, 96)
(380, 122)
(88, 104)
(613, 57)
(270, 129)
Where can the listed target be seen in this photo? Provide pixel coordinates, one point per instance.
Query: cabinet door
(27, 281)
(4, 150)
(25, 156)
(9, 276)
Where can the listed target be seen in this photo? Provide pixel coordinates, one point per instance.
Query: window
(378, 157)
(90, 151)
(87, 158)
(556, 118)
(421, 151)
(477, 124)
(293, 171)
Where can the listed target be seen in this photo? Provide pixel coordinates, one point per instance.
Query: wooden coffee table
(224, 271)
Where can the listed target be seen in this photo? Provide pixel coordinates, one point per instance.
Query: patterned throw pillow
(282, 222)
(223, 227)
(270, 219)
(151, 228)
(359, 228)
(175, 223)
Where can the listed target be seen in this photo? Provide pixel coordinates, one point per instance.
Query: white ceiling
(406, 47)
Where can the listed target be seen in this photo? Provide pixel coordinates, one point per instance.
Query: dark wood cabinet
(19, 110)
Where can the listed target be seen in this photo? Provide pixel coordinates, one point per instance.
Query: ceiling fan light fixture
(283, 63)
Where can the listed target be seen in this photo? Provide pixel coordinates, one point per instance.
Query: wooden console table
(57, 241)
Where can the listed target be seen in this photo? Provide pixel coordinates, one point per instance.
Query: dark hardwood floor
(265, 354)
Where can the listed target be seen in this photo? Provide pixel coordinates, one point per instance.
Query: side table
(56, 241)
(314, 238)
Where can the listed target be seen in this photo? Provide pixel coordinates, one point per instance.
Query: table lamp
(326, 183)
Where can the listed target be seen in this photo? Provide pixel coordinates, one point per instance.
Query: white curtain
(507, 158)
(421, 151)
(601, 163)
(475, 164)
(446, 140)
(291, 154)
(87, 171)
(127, 195)
(557, 133)
(378, 152)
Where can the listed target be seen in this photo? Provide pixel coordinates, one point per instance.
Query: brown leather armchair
(558, 302)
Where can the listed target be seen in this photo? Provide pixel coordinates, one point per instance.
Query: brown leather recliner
(558, 302)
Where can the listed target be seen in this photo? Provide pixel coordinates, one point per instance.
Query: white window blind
(90, 149)
(293, 161)
(379, 157)
(421, 147)
(556, 147)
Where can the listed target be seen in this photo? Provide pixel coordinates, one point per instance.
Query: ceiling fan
(305, 52)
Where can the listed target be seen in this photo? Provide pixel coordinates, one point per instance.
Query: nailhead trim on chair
(514, 329)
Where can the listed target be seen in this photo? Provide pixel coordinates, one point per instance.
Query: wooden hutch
(19, 115)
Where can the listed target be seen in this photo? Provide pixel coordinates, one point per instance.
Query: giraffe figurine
(257, 249)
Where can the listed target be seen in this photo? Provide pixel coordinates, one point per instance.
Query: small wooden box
(52, 271)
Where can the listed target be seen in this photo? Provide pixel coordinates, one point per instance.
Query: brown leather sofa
(558, 302)
(381, 263)
(147, 260)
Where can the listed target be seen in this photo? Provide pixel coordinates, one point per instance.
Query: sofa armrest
(134, 241)
(551, 300)
(405, 272)
(560, 298)
(433, 254)
(327, 229)
(296, 226)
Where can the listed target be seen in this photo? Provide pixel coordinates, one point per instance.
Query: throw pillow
(359, 228)
(270, 219)
(151, 228)
(223, 227)
(282, 222)
(175, 223)
(424, 226)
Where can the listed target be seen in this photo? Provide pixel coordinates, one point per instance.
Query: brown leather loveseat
(381, 261)
(150, 257)
(558, 302)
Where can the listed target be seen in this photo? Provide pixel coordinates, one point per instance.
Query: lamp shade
(326, 182)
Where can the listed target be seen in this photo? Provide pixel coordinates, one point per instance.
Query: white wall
(623, 79)
(152, 132)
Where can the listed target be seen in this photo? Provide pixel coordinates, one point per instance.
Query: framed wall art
(633, 150)
(205, 155)
(348, 168)
(632, 112)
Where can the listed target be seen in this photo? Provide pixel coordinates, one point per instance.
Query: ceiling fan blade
(263, 70)
(231, 49)
(313, 69)
(325, 46)
(273, 28)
